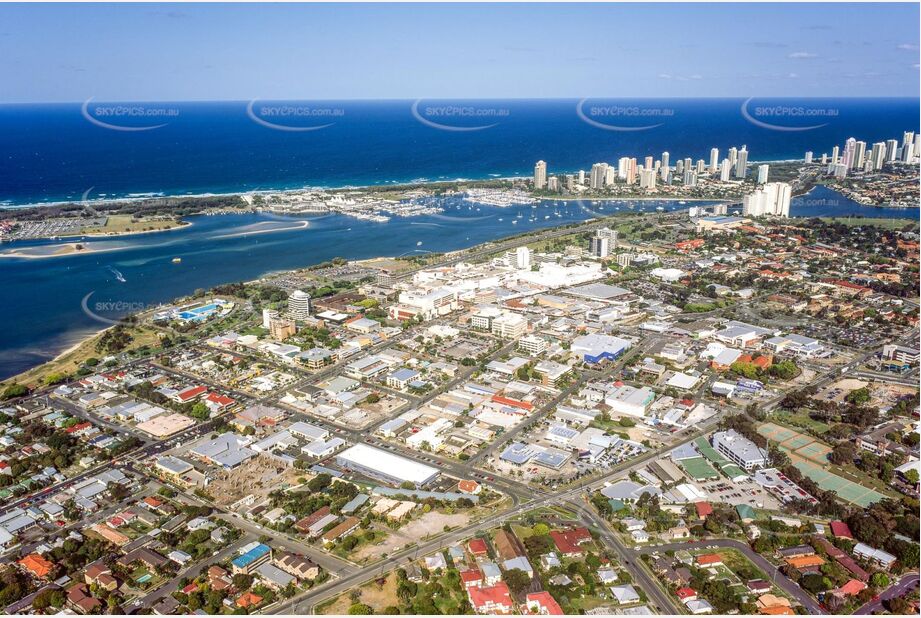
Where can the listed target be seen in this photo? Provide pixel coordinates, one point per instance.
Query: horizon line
(442, 98)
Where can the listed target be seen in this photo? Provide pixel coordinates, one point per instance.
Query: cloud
(792, 75)
(680, 78)
(907, 47)
(769, 45)
(802, 55)
(169, 14)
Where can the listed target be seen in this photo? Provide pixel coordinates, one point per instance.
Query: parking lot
(746, 492)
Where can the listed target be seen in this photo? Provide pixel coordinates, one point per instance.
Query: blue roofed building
(251, 559)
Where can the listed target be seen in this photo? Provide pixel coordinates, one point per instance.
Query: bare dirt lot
(257, 477)
(378, 597)
(413, 532)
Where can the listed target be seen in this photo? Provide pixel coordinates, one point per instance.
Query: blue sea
(61, 152)
(52, 153)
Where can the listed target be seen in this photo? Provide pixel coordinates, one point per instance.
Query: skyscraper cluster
(855, 157)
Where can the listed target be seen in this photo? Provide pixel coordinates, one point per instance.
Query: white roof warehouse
(385, 466)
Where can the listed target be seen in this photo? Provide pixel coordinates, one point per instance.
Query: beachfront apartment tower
(742, 163)
(540, 175)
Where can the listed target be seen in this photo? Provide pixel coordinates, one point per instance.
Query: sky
(185, 52)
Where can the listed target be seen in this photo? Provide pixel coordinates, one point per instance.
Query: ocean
(54, 153)
(96, 150)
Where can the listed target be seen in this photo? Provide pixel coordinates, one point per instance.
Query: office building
(763, 174)
(808, 158)
(724, 170)
(714, 159)
(739, 449)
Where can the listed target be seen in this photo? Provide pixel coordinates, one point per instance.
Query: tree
(517, 580)
(859, 396)
(843, 453)
(319, 482)
(14, 390)
(48, 598)
(879, 579)
(200, 411)
(897, 606)
(814, 583)
(242, 581)
(360, 609)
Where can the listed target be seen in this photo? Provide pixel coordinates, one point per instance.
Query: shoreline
(181, 225)
(135, 198)
(73, 251)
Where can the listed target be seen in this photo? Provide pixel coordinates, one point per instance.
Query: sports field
(810, 456)
(698, 468)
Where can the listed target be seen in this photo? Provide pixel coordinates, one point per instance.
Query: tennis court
(795, 442)
(810, 456)
(698, 468)
(846, 490)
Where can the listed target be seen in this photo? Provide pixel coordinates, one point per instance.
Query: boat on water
(660, 208)
(682, 202)
(177, 260)
(118, 276)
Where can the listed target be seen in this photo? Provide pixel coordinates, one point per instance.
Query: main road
(778, 578)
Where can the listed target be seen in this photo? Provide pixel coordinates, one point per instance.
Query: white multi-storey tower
(540, 175)
(773, 199)
(742, 163)
(878, 155)
(299, 304)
